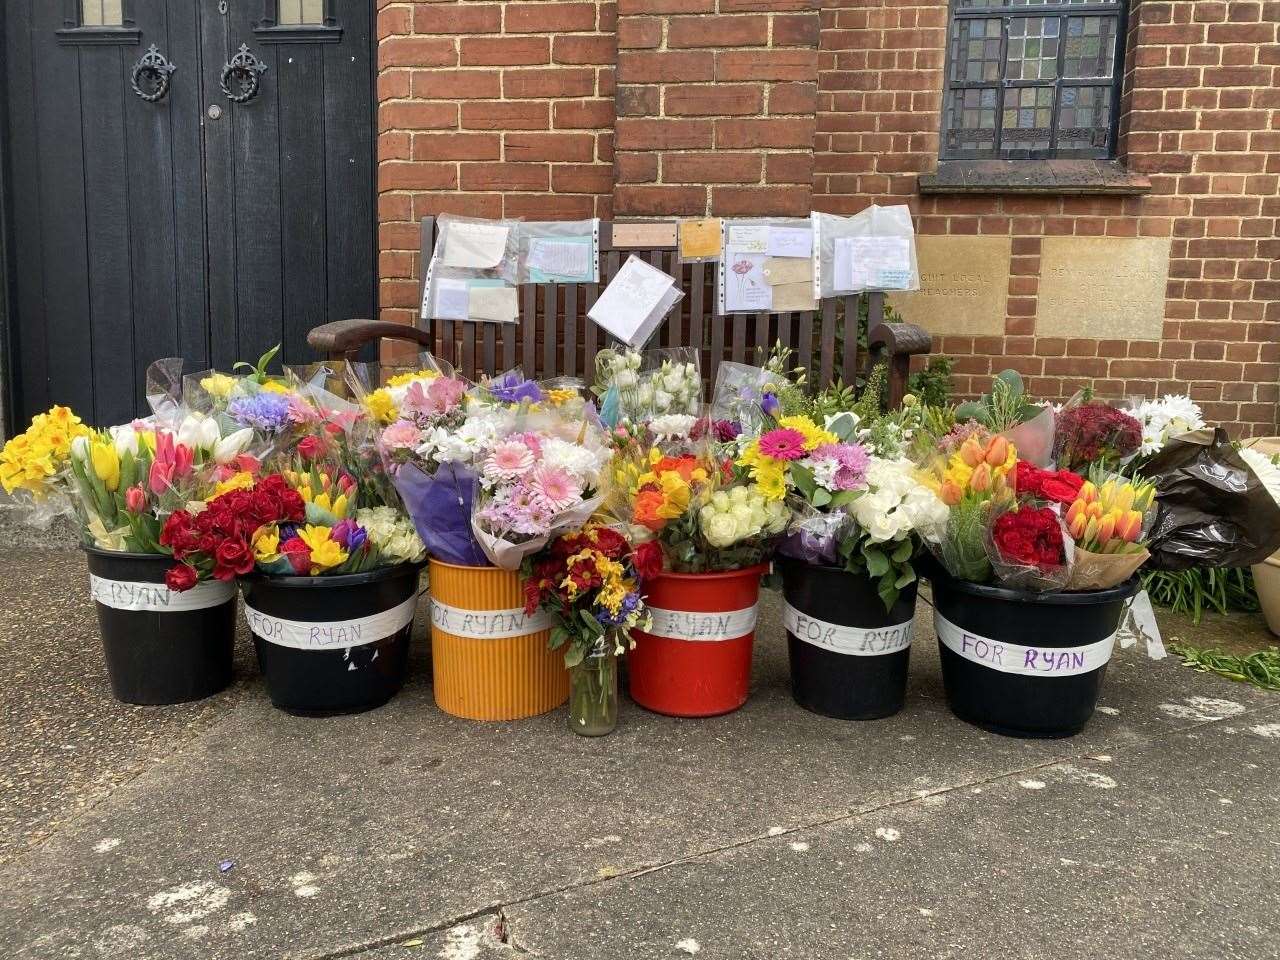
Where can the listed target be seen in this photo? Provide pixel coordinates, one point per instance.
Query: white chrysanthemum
(672, 426)
(578, 460)
(824, 471)
(1265, 469)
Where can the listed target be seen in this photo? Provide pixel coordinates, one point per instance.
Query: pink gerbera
(783, 444)
(509, 459)
(555, 487)
(400, 435)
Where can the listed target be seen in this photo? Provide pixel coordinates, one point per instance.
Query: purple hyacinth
(268, 412)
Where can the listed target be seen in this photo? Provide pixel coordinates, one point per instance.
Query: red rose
(310, 447)
(233, 558)
(647, 558)
(298, 554)
(181, 577)
(1061, 487)
(1027, 479)
(1031, 537)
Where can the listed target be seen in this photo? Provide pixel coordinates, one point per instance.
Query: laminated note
(793, 296)
(744, 283)
(747, 238)
(629, 303)
(699, 239)
(790, 242)
(873, 263)
(559, 260)
(453, 299)
(780, 270)
(494, 303)
(474, 246)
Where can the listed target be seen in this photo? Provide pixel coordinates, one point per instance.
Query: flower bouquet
(1094, 434)
(638, 386)
(1107, 523)
(588, 582)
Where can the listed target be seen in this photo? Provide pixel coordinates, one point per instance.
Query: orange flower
(648, 503)
(997, 451)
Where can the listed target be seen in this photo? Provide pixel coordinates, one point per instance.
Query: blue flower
(510, 388)
(770, 405)
(268, 412)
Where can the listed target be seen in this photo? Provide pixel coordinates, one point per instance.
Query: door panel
(192, 226)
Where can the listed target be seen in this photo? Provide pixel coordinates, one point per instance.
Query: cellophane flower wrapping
(1091, 433)
(637, 386)
(540, 475)
(429, 447)
(1029, 548)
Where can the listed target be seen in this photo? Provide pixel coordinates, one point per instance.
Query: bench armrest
(896, 344)
(343, 339)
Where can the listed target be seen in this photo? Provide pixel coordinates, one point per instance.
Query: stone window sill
(1034, 177)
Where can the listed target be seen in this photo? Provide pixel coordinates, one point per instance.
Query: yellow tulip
(106, 464)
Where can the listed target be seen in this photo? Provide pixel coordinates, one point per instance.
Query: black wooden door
(204, 224)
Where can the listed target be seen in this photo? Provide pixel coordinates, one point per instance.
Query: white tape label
(1015, 658)
(854, 641)
(488, 624)
(705, 627)
(330, 635)
(132, 595)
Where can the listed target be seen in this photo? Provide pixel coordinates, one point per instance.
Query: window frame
(270, 30)
(1061, 9)
(74, 31)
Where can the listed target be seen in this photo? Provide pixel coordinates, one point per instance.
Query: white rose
(720, 499)
(625, 379)
(662, 400)
(720, 530)
(738, 494)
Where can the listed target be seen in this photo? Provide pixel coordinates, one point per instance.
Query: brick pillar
(715, 107)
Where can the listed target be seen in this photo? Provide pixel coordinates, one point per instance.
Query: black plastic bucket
(849, 657)
(1024, 664)
(336, 644)
(161, 647)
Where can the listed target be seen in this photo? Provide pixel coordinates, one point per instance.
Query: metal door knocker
(242, 77)
(151, 75)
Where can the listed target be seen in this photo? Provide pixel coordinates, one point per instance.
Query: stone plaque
(1107, 287)
(964, 285)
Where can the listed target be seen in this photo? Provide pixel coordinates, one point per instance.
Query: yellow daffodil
(274, 386)
(326, 553)
(266, 544)
(380, 406)
(218, 385)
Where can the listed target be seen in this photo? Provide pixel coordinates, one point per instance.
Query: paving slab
(262, 835)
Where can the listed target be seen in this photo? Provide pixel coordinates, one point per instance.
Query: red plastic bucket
(697, 661)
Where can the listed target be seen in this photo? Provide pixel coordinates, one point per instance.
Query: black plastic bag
(1212, 511)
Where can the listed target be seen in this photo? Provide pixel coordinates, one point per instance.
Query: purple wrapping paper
(440, 506)
(809, 547)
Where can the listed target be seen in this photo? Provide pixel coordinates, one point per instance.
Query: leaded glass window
(1032, 78)
(300, 12)
(101, 13)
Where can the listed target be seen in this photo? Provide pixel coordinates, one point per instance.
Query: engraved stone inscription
(964, 285)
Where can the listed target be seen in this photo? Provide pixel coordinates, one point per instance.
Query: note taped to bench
(635, 302)
(493, 301)
(559, 259)
(474, 246)
(453, 300)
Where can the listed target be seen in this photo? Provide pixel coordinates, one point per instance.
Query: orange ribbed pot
(490, 661)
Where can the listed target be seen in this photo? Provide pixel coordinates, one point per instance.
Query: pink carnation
(783, 444)
(400, 435)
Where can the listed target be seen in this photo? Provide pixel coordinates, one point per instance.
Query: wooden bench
(553, 336)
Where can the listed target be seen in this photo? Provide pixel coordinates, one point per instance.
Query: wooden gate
(185, 178)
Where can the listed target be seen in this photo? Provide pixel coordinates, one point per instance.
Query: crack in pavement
(499, 910)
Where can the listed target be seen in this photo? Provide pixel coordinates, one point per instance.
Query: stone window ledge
(1033, 176)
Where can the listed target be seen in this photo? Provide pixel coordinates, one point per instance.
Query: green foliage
(836, 398)
(932, 385)
(1262, 668)
(871, 403)
(1229, 590)
(1004, 407)
(964, 546)
(257, 372)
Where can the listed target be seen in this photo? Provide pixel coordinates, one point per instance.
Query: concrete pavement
(229, 829)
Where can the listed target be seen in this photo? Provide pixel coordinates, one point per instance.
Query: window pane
(91, 13)
(1033, 49)
(1028, 118)
(1090, 47)
(975, 50)
(971, 119)
(297, 12)
(1084, 120)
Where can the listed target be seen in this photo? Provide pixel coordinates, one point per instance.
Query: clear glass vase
(593, 694)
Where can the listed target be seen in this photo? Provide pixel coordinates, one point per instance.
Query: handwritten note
(745, 287)
(634, 301)
(493, 302)
(474, 246)
(699, 239)
(453, 299)
(559, 259)
(872, 263)
(790, 242)
(746, 238)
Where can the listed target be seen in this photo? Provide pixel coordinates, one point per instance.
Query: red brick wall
(715, 107)
(490, 110)
(742, 107)
(1201, 117)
